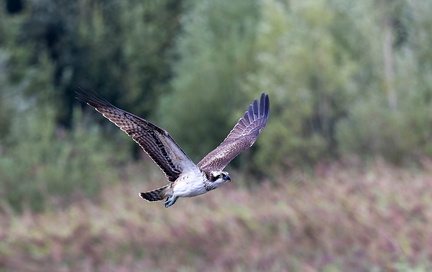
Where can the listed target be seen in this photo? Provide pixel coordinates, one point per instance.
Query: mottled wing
(241, 137)
(155, 141)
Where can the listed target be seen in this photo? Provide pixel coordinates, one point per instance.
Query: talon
(170, 201)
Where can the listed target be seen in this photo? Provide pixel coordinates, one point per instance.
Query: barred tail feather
(155, 195)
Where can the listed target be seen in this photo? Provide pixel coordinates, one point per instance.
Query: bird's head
(219, 177)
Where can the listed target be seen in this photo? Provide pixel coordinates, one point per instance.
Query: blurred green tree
(345, 78)
(216, 52)
(43, 166)
(41, 163)
(306, 59)
(393, 117)
(119, 48)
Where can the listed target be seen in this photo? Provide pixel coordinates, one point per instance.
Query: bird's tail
(156, 195)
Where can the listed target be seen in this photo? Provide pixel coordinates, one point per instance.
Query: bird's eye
(221, 175)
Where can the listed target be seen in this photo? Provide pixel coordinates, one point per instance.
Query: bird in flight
(187, 179)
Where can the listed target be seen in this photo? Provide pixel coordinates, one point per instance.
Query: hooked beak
(227, 178)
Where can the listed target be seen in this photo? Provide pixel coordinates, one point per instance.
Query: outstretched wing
(241, 137)
(155, 141)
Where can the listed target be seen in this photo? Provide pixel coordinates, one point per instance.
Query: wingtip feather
(255, 108)
(264, 106)
(267, 105)
(91, 98)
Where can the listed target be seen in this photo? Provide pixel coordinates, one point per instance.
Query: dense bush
(344, 78)
(42, 164)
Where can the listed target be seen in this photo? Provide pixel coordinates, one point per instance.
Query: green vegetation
(44, 165)
(344, 79)
(350, 85)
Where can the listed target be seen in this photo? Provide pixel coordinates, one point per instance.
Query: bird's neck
(211, 185)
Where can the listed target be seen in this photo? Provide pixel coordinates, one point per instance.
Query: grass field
(374, 218)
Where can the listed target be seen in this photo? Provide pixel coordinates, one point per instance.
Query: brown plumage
(241, 137)
(187, 179)
(151, 138)
(155, 195)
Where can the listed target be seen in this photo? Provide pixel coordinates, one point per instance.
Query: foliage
(372, 129)
(345, 218)
(344, 79)
(42, 165)
(40, 160)
(401, 134)
(120, 48)
(309, 73)
(216, 52)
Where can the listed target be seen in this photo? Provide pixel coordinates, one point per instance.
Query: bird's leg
(170, 201)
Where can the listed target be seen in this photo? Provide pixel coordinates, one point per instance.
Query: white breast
(190, 184)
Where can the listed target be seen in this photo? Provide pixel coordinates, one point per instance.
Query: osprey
(186, 178)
